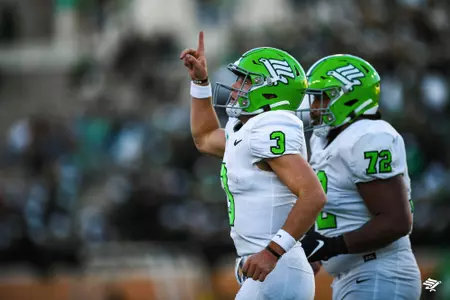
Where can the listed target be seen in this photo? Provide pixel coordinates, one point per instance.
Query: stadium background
(102, 193)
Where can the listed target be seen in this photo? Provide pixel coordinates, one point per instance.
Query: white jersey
(258, 202)
(367, 150)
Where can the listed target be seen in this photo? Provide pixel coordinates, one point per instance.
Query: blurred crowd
(122, 165)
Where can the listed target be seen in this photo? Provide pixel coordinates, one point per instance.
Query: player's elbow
(315, 199)
(320, 200)
(400, 224)
(406, 225)
(200, 144)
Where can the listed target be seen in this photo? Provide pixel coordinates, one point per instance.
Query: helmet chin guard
(234, 111)
(322, 131)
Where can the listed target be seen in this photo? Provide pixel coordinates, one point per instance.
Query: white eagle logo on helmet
(278, 70)
(348, 75)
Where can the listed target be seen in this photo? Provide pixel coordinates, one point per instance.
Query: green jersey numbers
(280, 138)
(323, 180)
(230, 198)
(325, 220)
(379, 161)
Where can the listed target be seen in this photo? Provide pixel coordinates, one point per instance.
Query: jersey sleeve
(277, 135)
(377, 156)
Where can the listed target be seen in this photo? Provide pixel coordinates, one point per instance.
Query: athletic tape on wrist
(200, 91)
(284, 240)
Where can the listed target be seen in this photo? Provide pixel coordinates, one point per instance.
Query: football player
(264, 168)
(362, 235)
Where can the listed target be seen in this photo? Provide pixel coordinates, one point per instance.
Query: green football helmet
(350, 83)
(278, 82)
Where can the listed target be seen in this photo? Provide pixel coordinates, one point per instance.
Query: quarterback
(362, 235)
(273, 194)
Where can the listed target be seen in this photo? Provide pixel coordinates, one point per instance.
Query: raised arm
(208, 137)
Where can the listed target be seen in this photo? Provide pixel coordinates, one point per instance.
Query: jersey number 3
(230, 198)
(280, 137)
(325, 220)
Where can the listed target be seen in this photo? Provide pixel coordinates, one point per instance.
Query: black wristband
(200, 81)
(268, 248)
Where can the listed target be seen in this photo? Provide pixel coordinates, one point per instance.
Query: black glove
(318, 247)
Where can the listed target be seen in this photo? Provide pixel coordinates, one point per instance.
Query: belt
(362, 259)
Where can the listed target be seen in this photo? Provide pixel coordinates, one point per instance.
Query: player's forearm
(304, 214)
(203, 120)
(302, 217)
(379, 232)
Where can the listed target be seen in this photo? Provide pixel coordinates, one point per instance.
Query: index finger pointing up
(201, 44)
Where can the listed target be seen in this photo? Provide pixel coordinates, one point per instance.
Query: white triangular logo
(278, 70)
(348, 76)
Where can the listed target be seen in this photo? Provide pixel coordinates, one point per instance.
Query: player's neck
(334, 132)
(244, 119)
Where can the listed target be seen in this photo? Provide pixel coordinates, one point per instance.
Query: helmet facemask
(235, 106)
(319, 112)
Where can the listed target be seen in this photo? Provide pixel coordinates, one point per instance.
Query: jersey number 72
(325, 220)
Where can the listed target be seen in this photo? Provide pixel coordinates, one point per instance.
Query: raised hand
(195, 60)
